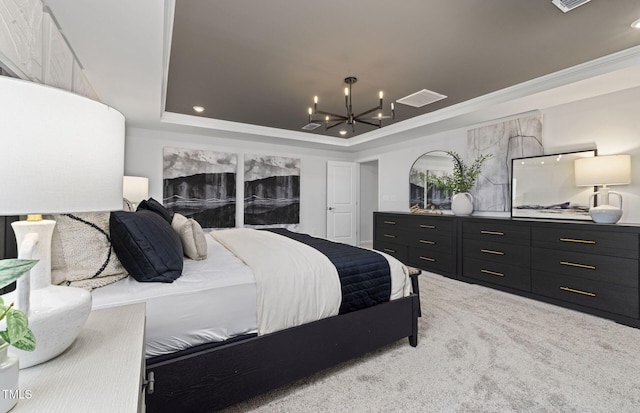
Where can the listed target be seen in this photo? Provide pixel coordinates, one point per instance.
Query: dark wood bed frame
(214, 378)
(211, 377)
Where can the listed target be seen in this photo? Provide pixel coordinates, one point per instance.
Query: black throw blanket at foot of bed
(365, 276)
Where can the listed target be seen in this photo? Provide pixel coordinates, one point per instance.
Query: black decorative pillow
(155, 206)
(146, 245)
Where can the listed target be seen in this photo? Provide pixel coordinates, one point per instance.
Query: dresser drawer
(621, 271)
(424, 225)
(384, 221)
(432, 260)
(398, 251)
(617, 244)
(590, 293)
(513, 276)
(497, 232)
(432, 241)
(392, 234)
(498, 252)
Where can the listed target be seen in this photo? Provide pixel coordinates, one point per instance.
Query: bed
(199, 363)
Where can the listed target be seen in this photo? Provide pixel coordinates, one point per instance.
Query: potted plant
(460, 182)
(16, 333)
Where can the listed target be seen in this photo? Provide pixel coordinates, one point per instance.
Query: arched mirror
(422, 192)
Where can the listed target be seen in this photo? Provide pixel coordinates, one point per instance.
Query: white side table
(102, 371)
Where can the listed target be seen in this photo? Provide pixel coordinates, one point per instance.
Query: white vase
(8, 379)
(462, 204)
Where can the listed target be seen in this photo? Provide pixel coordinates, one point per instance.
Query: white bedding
(215, 299)
(307, 286)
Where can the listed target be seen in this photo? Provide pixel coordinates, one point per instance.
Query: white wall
(368, 199)
(610, 123)
(143, 157)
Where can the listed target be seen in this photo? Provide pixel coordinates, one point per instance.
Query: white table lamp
(604, 171)
(62, 153)
(135, 189)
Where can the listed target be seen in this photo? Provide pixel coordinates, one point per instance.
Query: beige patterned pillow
(81, 252)
(191, 234)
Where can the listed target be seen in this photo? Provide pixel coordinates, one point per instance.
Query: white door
(342, 202)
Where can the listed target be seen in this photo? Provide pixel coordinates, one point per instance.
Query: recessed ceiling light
(636, 24)
(343, 132)
(198, 109)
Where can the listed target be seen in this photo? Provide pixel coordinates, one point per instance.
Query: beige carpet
(481, 350)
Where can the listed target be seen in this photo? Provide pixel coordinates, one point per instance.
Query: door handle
(331, 208)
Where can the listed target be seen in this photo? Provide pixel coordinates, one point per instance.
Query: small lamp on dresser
(63, 153)
(604, 171)
(135, 189)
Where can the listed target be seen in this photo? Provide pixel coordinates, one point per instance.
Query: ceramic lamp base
(56, 313)
(605, 214)
(56, 316)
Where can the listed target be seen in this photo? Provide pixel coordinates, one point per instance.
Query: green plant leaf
(12, 269)
(26, 343)
(17, 325)
(4, 335)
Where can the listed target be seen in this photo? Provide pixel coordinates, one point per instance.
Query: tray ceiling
(261, 63)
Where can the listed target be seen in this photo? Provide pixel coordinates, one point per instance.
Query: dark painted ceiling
(261, 62)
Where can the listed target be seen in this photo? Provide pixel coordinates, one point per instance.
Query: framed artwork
(200, 185)
(544, 187)
(515, 138)
(271, 191)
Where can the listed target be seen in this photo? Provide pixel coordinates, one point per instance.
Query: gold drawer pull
(390, 222)
(571, 290)
(573, 264)
(428, 259)
(424, 241)
(389, 250)
(578, 241)
(499, 274)
(492, 233)
(389, 236)
(427, 226)
(492, 252)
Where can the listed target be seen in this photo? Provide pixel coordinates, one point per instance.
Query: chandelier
(332, 120)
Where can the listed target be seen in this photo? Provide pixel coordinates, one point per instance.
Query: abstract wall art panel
(515, 138)
(271, 191)
(201, 185)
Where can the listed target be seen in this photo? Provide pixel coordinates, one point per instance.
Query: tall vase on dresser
(462, 204)
(460, 182)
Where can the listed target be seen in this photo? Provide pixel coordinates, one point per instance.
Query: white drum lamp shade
(63, 153)
(604, 171)
(135, 189)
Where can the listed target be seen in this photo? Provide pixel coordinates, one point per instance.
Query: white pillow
(191, 234)
(81, 253)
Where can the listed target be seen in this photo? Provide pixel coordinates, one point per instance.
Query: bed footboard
(216, 378)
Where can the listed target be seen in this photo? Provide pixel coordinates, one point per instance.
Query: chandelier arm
(368, 123)
(367, 112)
(322, 112)
(334, 125)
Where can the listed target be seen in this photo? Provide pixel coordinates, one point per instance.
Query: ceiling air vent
(568, 5)
(421, 98)
(311, 126)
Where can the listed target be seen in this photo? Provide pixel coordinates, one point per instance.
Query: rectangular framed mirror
(544, 187)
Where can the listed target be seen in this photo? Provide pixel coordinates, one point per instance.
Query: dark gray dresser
(580, 265)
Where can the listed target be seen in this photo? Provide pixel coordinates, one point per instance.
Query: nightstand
(102, 371)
